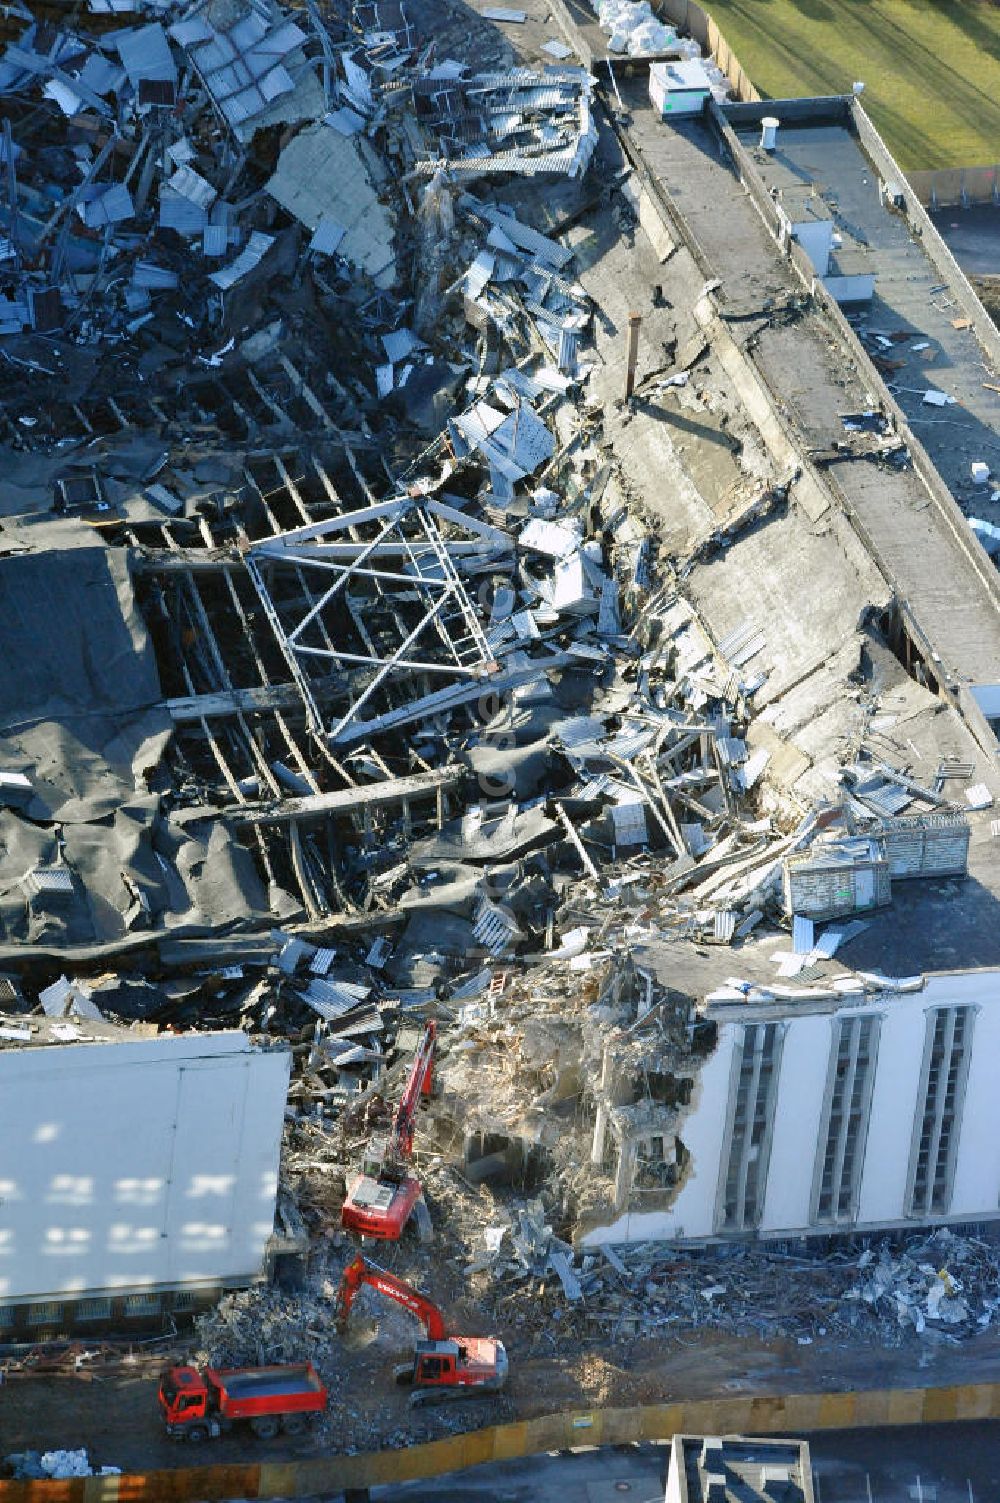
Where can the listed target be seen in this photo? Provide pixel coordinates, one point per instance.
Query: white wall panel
(140, 1163)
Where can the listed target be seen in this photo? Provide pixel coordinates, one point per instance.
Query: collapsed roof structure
(371, 658)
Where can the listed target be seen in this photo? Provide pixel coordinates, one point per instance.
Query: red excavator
(443, 1366)
(380, 1200)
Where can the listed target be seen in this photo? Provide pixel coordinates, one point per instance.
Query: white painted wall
(977, 1173)
(895, 1101)
(677, 1491)
(857, 288)
(802, 1073)
(137, 1164)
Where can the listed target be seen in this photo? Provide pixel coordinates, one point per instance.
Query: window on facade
(842, 1138)
(653, 1170)
(751, 1117)
(8, 1316)
(142, 1304)
(946, 1065)
(44, 1314)
(92, 1309)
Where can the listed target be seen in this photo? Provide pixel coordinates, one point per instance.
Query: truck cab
(185, 1401)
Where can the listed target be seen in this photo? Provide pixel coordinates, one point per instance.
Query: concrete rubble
(352, 679)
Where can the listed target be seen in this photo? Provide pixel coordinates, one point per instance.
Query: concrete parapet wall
(957, 185)
(922, 462)
(920, 222)
(749, 1414)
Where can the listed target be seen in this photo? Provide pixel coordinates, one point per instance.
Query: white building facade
(870, 1106)
(136, 1174)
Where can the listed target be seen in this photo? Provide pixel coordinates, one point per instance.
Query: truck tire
(295, 1424)
(265, 1427)
(197, 1434)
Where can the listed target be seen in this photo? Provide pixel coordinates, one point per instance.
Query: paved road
(943, 1464)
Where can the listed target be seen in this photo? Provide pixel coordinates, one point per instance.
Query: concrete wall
(798, 1124)
(956, 185)
(934, 246)
(137, 1165)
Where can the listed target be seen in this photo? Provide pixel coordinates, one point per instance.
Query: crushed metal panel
(322, 173)
(253, 253)
(145, 53)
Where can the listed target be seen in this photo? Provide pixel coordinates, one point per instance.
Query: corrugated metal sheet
(569, 342)
(191, 185)
(254, 252)
(494, 928)
(803, 933)
(828, 943)
(215, 240)
(333, 999)
(724, 926)
(148, 274)
(524, 237)
(180, 214)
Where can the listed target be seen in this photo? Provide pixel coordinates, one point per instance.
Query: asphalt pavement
(957, 1463)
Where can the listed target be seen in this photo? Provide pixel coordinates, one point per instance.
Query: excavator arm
(359, 1273)
(418, 1084)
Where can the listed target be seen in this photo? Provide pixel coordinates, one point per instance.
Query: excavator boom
(443, 1366)
(418, 1084)
(361, 1272)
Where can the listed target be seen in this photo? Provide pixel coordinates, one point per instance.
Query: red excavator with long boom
(443, 1366)
(380, 1200)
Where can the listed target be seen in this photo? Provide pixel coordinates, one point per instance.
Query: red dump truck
(196, 1405)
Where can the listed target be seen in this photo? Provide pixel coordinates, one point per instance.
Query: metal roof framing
(407, 571)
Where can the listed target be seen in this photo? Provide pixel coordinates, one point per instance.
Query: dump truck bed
(269, 1390)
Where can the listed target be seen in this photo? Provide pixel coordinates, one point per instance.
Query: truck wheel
(266, 1427)
(197, 1434)
(295, 1424)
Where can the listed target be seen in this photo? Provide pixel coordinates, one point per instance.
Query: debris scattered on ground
(32, 1466)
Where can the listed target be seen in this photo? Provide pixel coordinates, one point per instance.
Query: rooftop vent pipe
(769, 132)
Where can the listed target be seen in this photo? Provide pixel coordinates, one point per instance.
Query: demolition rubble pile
(929, 1287)
(390, 706)
(428, 725)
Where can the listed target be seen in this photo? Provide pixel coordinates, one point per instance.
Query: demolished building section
(372, 661)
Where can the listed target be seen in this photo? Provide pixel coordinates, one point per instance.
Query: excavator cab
(435, 1364)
